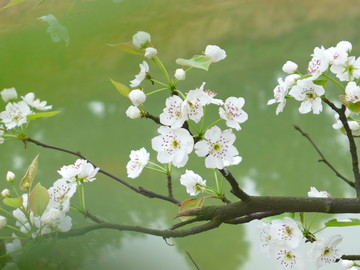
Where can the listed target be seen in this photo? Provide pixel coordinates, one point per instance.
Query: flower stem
(158, 90)
(162, 68)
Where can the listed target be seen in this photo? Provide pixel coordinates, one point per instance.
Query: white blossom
(137, 97)
(133, 112)
(217, 146)
(215, 53)
(144, 69)
(287, 258)
(60, 194)
(8, 94)
(265, 236)
(15, 114)
(138, 160)
(289, 67)
(141, 39)
(173, 145)
(150, 52)
(286, 232)
(173, 114)
(325, 251)
(352, 92)
(13, 246)
(180, 74)
(309, 94)
(196, 100)
(81, 170)
(3, 222)
(347, 71)
(232, 112)
(55, 219)
(314, 193)
(36, 103)
(280, 92)
(319, 63)
(193, 182)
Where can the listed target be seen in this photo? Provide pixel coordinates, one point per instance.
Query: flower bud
(140, 39)
(3, 222)
(133, 112)
(137, 97)
(215, 53)
(290, 67)
(347, 264)
(10, 177)
(345, 45)
(180, 74)
(8, 94)
(150, 52)
(5, 193)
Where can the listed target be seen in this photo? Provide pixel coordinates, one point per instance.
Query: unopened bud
(5, 193)
(10, 177)
(3, 222)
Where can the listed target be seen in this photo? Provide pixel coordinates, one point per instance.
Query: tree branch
(352, 144)
(323, 159)
(139, 190)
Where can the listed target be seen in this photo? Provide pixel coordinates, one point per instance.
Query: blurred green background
(259, 37)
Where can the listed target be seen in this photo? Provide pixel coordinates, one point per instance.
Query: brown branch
(169, 186)
(152, 117)
(167, 233)
(235, 189)
(323, 159)
(351, 257)
(352, 144)
(139, 190)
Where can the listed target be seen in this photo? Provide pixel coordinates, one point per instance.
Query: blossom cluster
(16, 113)
(331, 64)
(55, 216)
(282, 238)
(178, 135)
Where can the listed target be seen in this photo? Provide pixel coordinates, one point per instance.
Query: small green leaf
(197, 61)
(190, 204)
(26, 181)
(122, 88)
(127, 47)
(38, 199)
(13, 3)
(339, 223)
(42, 115)
(13, 202)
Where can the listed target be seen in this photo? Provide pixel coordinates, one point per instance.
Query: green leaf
(38, 199)
(42, 115)
(13, 202)
(190, 204)
(26, 181)
(127, 47)
(197, 61)
(338, 223)
(13, 3)
(122, 88)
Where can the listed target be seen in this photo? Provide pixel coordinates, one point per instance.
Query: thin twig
(236, 190)
(192, 260)
(139, 190)
(169, 186)
(323, 159)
